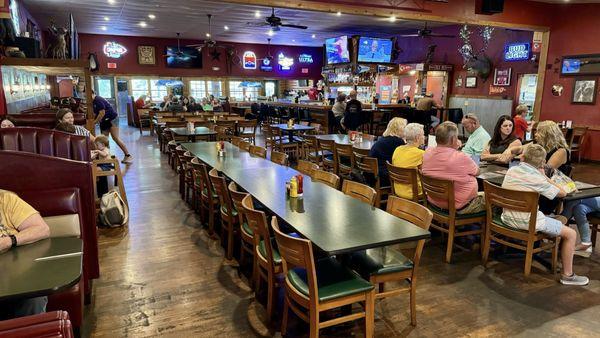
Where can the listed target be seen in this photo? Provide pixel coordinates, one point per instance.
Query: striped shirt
(525, 177)
(81, 131)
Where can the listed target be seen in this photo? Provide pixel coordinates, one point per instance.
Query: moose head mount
(476, 61)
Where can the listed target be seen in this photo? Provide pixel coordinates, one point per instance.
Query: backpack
(114, 212)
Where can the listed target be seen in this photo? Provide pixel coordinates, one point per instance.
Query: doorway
(105, 87)
(526, 90)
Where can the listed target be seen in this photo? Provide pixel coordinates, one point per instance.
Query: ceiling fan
(275, 22)
(179, 53)
(209, 42)
(426, 32)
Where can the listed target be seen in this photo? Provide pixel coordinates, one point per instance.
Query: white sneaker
(127, 159)
(574, 280)
(583, 250)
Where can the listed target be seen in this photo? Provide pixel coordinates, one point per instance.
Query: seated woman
(499, 148)
(65, 115)
(385, 146)
(409, 156)
(338, 109)
(6, 122)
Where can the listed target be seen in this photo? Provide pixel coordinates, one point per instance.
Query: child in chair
(102, 151)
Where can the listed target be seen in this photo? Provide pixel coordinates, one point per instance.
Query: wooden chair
(448, 221)
(144, 119)
(310, 149)
(246, 233)
(327, 148)
(245, 146)
(236, 141)
(269, 136)
(576, 141)
(343, 159)
(406, 176)
(369, 166)
(359, 191)
(307, 282)
(386, 264)
(115, 170)
(267, 260)
(229, 216)
(209, 202)
(246, 129)
(283, 144)
(594, 220)
(188, 177)
(279, 158)
(326, 177)
(224, 133)
(307, 168)
(197, 187)
(258, 151)
(498, 231)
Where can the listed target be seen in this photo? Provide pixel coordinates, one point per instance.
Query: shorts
(551, 227)
(105, 125)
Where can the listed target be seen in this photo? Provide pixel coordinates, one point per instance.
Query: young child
(102, 151)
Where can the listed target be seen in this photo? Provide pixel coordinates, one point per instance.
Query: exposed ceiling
(189, 18)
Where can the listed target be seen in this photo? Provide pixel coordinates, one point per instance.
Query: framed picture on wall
(471, 82)
(459, 82)
(502, 77)
(147, 55)
(584, 91)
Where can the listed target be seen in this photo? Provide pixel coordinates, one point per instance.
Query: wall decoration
(517, 51)
(584, 91)
(267, 64)
(471, 82)
(476, 61)
(249, 60)
(502, 77)
(114, 50)
(285, 63)
(459, 82)
(146, 55)
(305, 58)
(57, 48)
(581, 65)
(557, 90)
(497, 90)
(215, 55)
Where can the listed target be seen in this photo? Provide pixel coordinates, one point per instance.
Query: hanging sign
(536, 47)
(111, 65)
(249, 60)
(285, 63)
(517, 51)
(267, 64)
(114, 50)
(494, 90)
(305, 58)
(502, 77)
(537, 37)
(304, 70)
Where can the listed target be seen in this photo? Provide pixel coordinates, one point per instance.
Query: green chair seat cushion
(497, 220)
(224, 210)
(263, 250)
(445, 213)
(205, 193)
(379, 261)
(247, 228)
(333, 280)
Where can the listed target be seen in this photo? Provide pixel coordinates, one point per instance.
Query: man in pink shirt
(447, 163)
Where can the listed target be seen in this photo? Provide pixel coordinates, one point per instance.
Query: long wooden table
(39, 269)
(334, 222)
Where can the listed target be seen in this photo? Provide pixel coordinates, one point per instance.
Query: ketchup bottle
(300, 180)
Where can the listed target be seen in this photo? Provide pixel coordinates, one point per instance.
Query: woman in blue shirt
(105, 117)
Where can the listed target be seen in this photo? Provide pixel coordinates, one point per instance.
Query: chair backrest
(577, 136)
(326, 177)
(368, 165)
(206, 181)
(279, 158)
(326, 145)
(441, 190)
(244, 145)
(236, 198)
(235, 140)
(257, 221)
(296, 253)
(197, 173)
(307, 168)
(243, 125)
(407, 176)
(224, 133)
(46, 142)
(258, 151)
(359, 191)
(226, 123)
(221, 190)
(344, 157)
(514, 200)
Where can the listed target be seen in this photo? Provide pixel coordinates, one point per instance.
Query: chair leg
(451, 229)
(485, 249)
(594, 234)
(528, 258)
(370, 314)
(314, 322)
(555, 255)
(284, 320)
(229, 241)
(270, 296)
(413, 301)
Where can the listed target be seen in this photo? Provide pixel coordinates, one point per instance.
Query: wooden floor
(162, 277)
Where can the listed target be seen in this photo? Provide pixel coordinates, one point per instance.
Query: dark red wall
(414, 50)
(128, 63)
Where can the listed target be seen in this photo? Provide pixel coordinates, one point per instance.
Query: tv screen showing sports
(185, 57)
(336, 50)
(571, 66)
(374, 50)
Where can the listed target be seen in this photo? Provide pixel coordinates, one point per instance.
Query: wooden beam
(367, 10)
(55, 63)
(539, 91)
(89, 105)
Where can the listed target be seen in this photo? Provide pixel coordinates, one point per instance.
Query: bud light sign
(517, 51)
(249, 60)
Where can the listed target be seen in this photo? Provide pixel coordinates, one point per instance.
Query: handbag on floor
(114, 212)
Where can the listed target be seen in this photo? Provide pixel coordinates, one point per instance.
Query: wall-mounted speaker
(489, 6)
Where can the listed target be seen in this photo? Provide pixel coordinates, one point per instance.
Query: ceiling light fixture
(393, 18)
(111, 1)
(103, 28)
(338, 13)
(143, 24)
(257, 14)
(208, 35)
(106, 18)
(313, 36)
(226, 28)
(270, 32)
(152, 16)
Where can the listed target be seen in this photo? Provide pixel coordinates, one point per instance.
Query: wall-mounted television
(580, 65)
(336, 50)
(374, 50)
(184, 57)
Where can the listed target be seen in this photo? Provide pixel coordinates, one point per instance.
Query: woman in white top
(65, 115)
(339, 108)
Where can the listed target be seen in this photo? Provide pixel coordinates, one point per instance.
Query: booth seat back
(60, 208)
(46, 142)
(45, 120)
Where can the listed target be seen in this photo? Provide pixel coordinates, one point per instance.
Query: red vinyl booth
(42, 119)
(46, 142)
(50, 324)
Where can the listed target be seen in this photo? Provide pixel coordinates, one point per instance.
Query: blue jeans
(579, 209)
(23, 307)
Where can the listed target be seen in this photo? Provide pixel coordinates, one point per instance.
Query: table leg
(291, 136)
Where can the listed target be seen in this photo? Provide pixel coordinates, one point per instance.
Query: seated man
(447, 163)
(478, 139)
(529, 176)
(427, 104)
(20, 224)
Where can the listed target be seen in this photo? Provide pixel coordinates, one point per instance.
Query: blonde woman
(551, 138)
(385, 146)
(409, 156)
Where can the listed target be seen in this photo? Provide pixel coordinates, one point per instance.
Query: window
(269, 88)
(214, 88)
(157, 92)
(242, 92)
(16, 19)
(198, 89)
(235, 91)
(105, 88)
(139, 87)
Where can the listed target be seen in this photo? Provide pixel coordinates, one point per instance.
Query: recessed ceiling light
(257, 14)
(393, 18)
(293, 40)
(207, 35)
(143, 24)
(313, 36)
(106, 18)
(111, 1)
(152, 16)
(226, 28)
(270, 32)
(103, 28)
(338, 13)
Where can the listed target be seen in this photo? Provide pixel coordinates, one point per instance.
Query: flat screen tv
(336, 50)
(374, 50)
(187, 58)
